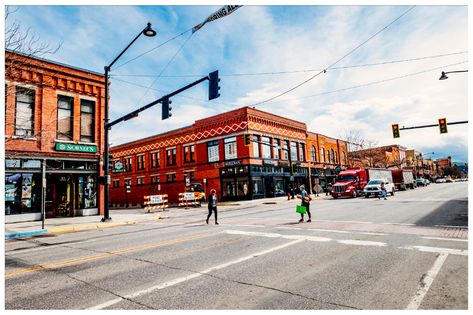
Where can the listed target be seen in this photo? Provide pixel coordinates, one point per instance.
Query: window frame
(213, 151)
(62, 135)
(92, 105)
(26, 92)
(230, 148)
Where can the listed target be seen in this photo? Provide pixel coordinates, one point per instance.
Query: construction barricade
(188, 199)
(154, 202)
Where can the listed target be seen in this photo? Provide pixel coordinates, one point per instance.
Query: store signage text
(71, 147)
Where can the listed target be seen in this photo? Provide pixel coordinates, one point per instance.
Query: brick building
(422, 166)
(53, 139)
(390, 156)
(212, 152)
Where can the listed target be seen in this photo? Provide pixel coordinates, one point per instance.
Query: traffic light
(293, 168)
(166, 113)
(247, 139)
(443, 125)
(395, 131)
(213, 85)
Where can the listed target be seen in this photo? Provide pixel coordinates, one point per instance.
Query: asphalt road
(407, 252)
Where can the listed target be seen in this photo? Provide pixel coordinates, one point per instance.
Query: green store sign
(71, 147)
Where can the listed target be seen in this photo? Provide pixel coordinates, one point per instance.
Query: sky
(262, 51)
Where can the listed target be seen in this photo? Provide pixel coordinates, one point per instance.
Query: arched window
(336, 158)
(313, 154)
(344, 158)
(332, 156)
(322, 154)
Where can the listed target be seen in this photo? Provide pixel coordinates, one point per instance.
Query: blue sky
(263, 38)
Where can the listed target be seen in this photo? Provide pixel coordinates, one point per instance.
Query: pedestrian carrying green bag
(301, 209)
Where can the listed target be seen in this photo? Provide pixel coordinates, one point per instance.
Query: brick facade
(240, 172)
(43, 82)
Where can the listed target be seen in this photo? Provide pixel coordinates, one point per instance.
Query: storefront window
(258, 186)
(242, 186)
(228, 187)
(22, 193)
(87, 192)
(279, 186)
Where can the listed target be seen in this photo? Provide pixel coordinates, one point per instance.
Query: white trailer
(380, 173)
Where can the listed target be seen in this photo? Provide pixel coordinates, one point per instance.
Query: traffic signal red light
(443, 125)
(395, 128)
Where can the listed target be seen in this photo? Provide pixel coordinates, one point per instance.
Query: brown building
(53, 139)
(443, 163)
(422, 166)
(212, 153)
(391, 156)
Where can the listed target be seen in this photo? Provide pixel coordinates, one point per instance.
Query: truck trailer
(403, 179)
(350, 183)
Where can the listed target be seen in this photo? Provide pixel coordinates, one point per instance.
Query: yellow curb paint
(84, 259)
(88, 227)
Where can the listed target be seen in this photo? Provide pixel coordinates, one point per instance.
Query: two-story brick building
(212, 152)
(53, 139)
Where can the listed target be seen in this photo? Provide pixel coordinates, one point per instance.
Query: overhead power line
(375, 82)
(154, 48)
(293, 71)
(333, 64)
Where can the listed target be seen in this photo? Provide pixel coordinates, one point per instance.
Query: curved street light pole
(444, 74)
(149, 32)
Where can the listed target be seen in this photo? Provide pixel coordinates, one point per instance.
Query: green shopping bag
(301, 209)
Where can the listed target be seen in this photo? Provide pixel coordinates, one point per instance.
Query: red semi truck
(350, 183)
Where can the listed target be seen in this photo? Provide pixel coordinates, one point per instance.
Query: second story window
(171, 156)
(140, 181)
(336, 158)
(256, 146)
(24, 112)
(313, 154)
(212, 151)
(154, 179)
(286, 148)
(230, 148)
(140, 162)
(171, 177)
(294, 151)
(87, 125)
(276, 143)
(322, 154)
(128, 162)
(154, 159)
(344, 158)
(266, 148)
(301, 152)
(116, 183)
(64, 118)
(189, 153)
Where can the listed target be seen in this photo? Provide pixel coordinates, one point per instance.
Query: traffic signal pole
(434, 125)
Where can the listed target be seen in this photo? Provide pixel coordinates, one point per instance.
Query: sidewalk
(119, 217)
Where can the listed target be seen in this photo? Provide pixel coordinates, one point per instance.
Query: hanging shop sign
(118, 167)
(72, 147)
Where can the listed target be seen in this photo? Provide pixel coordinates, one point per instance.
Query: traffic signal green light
(247, 139)
(395, 131)
(293, 168)
(443, 125)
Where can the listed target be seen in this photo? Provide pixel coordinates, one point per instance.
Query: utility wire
(165, 67)
(333, 64)
(292, 71)
(376, 82)
(154, 48)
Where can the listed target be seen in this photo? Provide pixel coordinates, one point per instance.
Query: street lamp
(444, 74)
(148, 32)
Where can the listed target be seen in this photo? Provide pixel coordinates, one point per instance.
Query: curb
(25, 234)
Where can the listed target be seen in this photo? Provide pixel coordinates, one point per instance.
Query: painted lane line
(363, 222)
(332, 231)
(439, 250)
(406, 224)
(444, 239)
(130, 250)
(362, 243)
(192, 276)
(426, 282)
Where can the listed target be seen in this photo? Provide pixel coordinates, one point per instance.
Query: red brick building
(212, 153)
(53, 139)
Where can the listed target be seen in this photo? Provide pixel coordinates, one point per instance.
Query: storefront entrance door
(269, 186)
(60, 195)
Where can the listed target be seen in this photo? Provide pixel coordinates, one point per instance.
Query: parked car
(421, 182)
(373, 188)
(448, 180)
(440, 180)
(427, 182)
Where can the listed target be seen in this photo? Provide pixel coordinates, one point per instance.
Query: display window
(22, 193)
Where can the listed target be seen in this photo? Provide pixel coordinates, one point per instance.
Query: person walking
(384, 193)
(305, 203)
(212, 205)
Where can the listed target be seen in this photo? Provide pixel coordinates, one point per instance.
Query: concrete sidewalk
(121, 217)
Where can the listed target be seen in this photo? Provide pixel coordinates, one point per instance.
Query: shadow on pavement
(453, 212)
